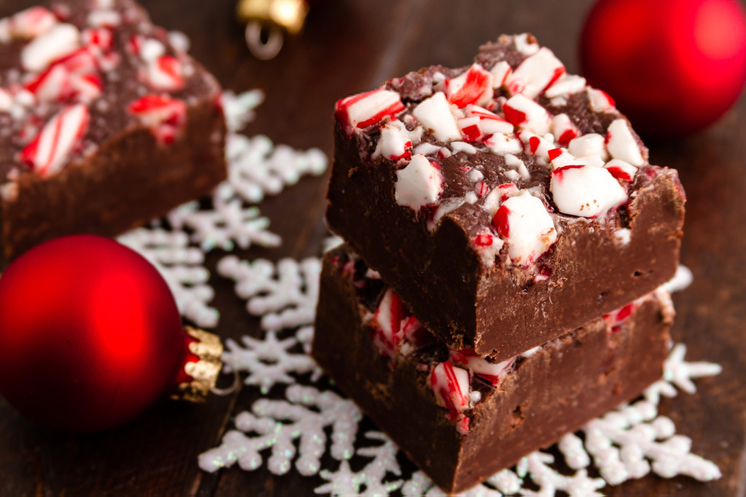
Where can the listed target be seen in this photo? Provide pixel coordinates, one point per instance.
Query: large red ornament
(673, 66)
(90, 335)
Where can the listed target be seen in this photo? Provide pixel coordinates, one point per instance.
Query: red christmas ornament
(90, 335)
(673, 66)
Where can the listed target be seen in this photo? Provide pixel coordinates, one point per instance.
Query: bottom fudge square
(460, 417)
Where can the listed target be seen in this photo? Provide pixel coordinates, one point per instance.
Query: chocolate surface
(429, 252)
(125, 168)
(546, 393)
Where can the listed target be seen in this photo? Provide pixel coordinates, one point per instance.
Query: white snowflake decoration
(182, 268)
(278, 423)
(257, 167)
(227, 223)
(239, 109)
(284, 294)
(268, 361)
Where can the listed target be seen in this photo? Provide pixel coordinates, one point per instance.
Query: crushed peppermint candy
(419, 183)
(586, 191)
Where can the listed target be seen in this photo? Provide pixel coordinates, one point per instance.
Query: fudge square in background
(460, 417)
(506, 202)
(104, 124)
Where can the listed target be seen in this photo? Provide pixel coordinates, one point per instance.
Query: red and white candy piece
(451, 387)
(563, 129)
(387, 323)
(366, 109)
(100, 37)
(599, 100)
(492, 373)
(59, 41)
(535, 74)
(52, 147)
(487, 246)
(621, 170)
(165, 73)
(538, 146)
(622, 145)
(104, 19)
(525, 225)
(489, 122)
(525, 45)
(616, 318)
(30, 23)
(500, 73)
(527, 114)
(435, 115)
(566, 86)
(561, 158)
(418, 184)
(395, 142)
(585, 191)
(87, 87)
(165, 116)
(472, 87)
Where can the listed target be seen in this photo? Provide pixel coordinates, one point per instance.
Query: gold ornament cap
(204, 372)
(286, 14)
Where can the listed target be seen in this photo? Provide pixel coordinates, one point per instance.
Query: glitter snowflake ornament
(181, 266)
(268, 361)
(284, 294)
(276, 424)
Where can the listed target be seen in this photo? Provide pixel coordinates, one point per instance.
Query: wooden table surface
(353, 45)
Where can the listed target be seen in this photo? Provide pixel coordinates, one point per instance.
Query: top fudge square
(506, 202)
(104, 123)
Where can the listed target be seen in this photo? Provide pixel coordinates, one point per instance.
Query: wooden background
(350, 46)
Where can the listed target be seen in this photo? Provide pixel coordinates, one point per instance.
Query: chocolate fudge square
(461, 417)
(507, 202)
(104, 124)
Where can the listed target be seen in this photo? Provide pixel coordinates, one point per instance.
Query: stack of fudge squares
(506, 240)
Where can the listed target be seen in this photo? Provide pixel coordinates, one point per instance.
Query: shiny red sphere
(90, 335)
(673, 66)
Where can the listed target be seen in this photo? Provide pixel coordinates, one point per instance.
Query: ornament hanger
(268, 22)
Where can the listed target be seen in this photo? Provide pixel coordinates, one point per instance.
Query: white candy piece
(104, 18)
(426, 149)
(6, 101)
(435, 114)
(539, 146)
(590, 144)
(491, 372)
(489, 122)
(527, 114)
(503, 143)
(622, 145)
(563, 129)
(567, 85)
(524, 46)
(60, 40)
(394, 141)
(418, 184)
(585, 191)
(567, 159)
(621, 169)
(599, 101)
(151, 50)
(500, 73)
(525, 225)
(487, 246)
(535, 74)
(30, 23)
(463, 147)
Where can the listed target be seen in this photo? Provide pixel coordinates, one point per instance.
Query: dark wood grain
(349, 46)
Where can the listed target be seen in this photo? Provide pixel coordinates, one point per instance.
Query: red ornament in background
(673, 66)
(90, 335)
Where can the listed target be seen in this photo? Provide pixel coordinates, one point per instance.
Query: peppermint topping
(564, 130)
(527, 114)
(472, 87)
(395, 142)
(435, 115)
(387, 323)
(503, 143)
(524, 223)
(30, 23)
(590, 144)
(60, 40)
(418, 184)
(566, 86)
(585, 191)
(165, 74)
(366, 109)
(535, 74)
(600, 101)
(451, 387)
(164, 116)
(6, 101)
(500, 73)
(487, 246)
(488, 122)
(492, 373)
(621, 170)
(622, 145)
(51, 148)
(526, 44)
